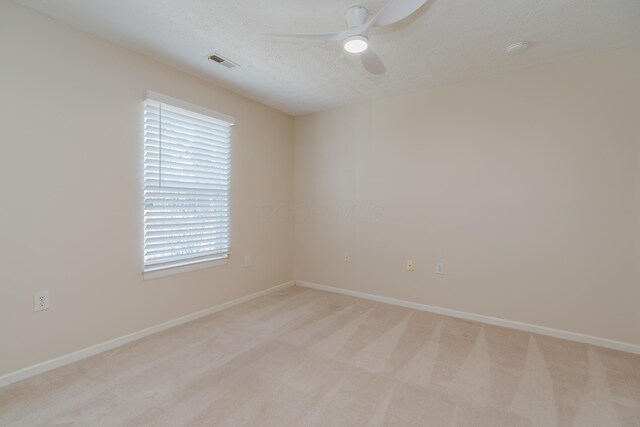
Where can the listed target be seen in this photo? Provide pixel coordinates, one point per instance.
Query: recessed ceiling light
(517, 47)
(356, 44)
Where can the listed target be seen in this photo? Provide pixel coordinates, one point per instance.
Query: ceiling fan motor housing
(356, 16)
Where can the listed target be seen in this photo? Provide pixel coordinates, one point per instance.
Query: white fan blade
(372, 62)
(312, 36)
(396, 10)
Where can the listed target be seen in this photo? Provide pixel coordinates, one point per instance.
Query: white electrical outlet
(440, 268)
(40, 300)
(410, 265)
(247, 261)
(347, 257)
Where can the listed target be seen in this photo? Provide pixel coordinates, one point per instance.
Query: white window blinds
(187, 160)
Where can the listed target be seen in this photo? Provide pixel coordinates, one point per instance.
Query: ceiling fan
(355, 39)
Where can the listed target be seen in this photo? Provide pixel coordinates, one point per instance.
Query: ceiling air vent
(222, 61)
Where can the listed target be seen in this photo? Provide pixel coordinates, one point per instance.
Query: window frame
(196, 262)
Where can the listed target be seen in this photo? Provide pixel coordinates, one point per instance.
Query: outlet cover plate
(41, 300)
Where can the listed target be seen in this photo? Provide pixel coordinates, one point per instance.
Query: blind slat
(179, 168)
(183, 142)
(184, 174)
(184, 234)
(162, 229)
(170, 115)
(204, 256)
(181, 127)
(211, 240)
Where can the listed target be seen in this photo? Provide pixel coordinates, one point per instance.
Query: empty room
(320, 213)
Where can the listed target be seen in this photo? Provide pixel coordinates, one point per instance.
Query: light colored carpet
(303, 357)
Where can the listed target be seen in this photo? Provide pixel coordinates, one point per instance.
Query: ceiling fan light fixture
(356, 44)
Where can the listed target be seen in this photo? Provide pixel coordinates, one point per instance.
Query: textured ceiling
(446, 40)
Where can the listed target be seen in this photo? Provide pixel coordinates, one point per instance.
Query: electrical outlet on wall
(440, 268)
(40, 300)
(347, 257)
(247, 260)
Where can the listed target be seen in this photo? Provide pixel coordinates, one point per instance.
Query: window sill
(158, 272)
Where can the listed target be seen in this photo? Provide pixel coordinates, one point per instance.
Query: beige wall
(70, 167)
(525, 184)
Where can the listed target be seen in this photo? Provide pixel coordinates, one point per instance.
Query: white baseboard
(39, 368)
(542, 330)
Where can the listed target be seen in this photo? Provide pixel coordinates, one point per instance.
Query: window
(187, 161)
